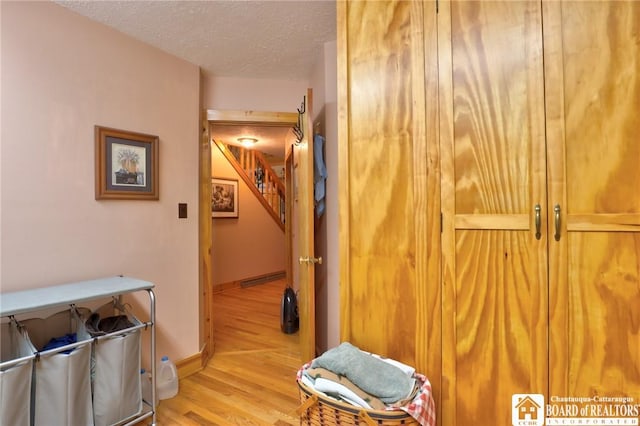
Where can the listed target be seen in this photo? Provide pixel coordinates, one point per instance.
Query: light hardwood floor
(251, 378)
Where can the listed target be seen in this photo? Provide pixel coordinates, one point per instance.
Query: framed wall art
(224, 198)
(126, 165)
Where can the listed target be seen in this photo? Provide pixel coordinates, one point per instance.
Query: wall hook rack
(298, 129)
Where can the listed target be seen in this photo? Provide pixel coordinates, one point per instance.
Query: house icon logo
(527, 409)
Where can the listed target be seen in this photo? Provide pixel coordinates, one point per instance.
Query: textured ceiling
(228, 38)
(248, 39)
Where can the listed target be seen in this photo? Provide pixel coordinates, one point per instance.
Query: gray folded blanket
(369, 373)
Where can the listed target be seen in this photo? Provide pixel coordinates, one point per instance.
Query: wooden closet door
(493, 176)
(389, 199)
(592, 62)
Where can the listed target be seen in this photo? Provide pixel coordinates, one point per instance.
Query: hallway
(251, 378)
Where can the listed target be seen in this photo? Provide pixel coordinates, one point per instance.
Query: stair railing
(257, 173)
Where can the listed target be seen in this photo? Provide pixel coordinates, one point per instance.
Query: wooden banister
(259, 176)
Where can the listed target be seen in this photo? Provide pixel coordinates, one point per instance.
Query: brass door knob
(307, 260)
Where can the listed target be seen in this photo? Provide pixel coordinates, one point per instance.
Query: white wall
(61, 75)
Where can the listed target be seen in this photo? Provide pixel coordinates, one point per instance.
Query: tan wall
(61, 75)
(249, 246)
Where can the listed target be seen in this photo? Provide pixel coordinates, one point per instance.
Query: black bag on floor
(289, 321)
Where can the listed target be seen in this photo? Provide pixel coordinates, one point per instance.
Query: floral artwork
(129, 167)
(126, 165)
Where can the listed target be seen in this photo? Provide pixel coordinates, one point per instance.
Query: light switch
(182, 210)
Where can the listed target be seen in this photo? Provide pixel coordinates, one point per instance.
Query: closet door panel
(603, 302)
(601, 58)
(496, 73)
(383, 179)
(592, 61)
(500, 330)
(493, 176)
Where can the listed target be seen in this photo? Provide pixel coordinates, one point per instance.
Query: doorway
(270, 128)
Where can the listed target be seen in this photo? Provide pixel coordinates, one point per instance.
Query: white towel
(332, 388)
(408, 370)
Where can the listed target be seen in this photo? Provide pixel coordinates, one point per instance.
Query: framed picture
(126, 165)
(224, 198)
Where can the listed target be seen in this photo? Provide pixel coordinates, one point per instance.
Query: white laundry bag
(15, 379)
(62, 394)
(117, 393)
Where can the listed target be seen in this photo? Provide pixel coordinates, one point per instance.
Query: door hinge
(437, 5)
(441, 224)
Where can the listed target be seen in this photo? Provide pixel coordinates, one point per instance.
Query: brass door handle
(538, 222)
(307, 260)
(556, 209)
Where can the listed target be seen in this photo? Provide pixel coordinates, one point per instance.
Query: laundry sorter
(89, 373)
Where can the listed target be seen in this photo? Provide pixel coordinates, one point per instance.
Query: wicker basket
(318, 410)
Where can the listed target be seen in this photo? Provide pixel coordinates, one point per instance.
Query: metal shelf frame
(20, 302)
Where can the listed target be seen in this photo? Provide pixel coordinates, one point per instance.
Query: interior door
(493, 189)
(592, 61)
(304, 228)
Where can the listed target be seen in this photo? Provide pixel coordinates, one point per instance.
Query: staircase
(259, 176)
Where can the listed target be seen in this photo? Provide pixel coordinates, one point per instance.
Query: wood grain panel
(428, 227)
(304, 232)
(261, 118)
(500, 324)
(593, 154)
(386, 125)
(602, 100)
(497, 64)
(489, 221)
(447, 408)
(603, 304)
(493, 175)
(556, 160)
(205, 271)
(344, 194)
(604, 222)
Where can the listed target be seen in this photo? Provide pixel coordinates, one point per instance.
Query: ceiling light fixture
(247, 141)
